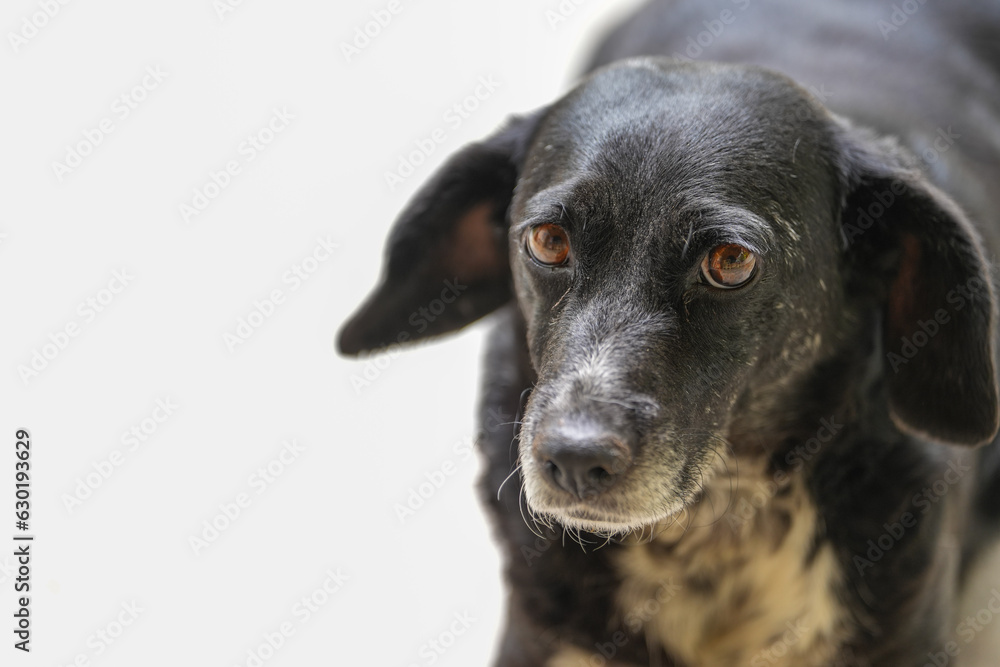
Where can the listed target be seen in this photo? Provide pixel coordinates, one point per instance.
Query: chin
(638, 505)
(591, 517)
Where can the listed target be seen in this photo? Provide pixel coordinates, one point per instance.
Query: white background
(63, 237)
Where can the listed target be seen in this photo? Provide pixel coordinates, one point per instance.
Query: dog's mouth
(593, 520)
(650, 494)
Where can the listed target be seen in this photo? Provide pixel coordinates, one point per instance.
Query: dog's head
(686, 242)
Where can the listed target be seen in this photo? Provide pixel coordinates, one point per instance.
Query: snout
(604, 463)
(600, 441)
(582, 459)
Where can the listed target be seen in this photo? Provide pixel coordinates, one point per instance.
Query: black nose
(584, 465)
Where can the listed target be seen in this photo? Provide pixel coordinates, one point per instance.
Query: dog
(743, 310)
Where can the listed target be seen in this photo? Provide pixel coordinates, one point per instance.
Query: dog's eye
(728, 266)
(548, 244)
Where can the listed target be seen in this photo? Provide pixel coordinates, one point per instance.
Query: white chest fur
(738, 579)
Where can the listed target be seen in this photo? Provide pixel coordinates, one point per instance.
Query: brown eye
(548, 244)
(729, 265)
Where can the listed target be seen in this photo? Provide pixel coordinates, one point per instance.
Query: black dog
(758, 338)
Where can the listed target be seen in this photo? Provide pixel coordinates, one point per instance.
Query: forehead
(657, 137)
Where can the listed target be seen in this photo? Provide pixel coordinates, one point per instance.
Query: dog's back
(925, 72)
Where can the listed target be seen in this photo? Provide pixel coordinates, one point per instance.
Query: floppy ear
(926, 260)
(446, 261)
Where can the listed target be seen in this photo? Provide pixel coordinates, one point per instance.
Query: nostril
(584, 466)
(599, 475)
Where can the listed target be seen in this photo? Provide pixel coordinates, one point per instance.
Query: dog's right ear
(446, 259)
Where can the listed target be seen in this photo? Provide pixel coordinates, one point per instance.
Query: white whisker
(512, 473)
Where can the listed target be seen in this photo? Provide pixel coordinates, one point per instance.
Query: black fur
(866, 253)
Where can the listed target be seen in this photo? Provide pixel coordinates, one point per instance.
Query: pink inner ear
(473, 251)
(903, 306)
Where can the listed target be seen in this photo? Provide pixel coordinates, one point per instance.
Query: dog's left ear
(446, 261)
(927, 261)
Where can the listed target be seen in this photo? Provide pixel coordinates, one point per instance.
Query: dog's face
(679, 241)
(674, 242)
